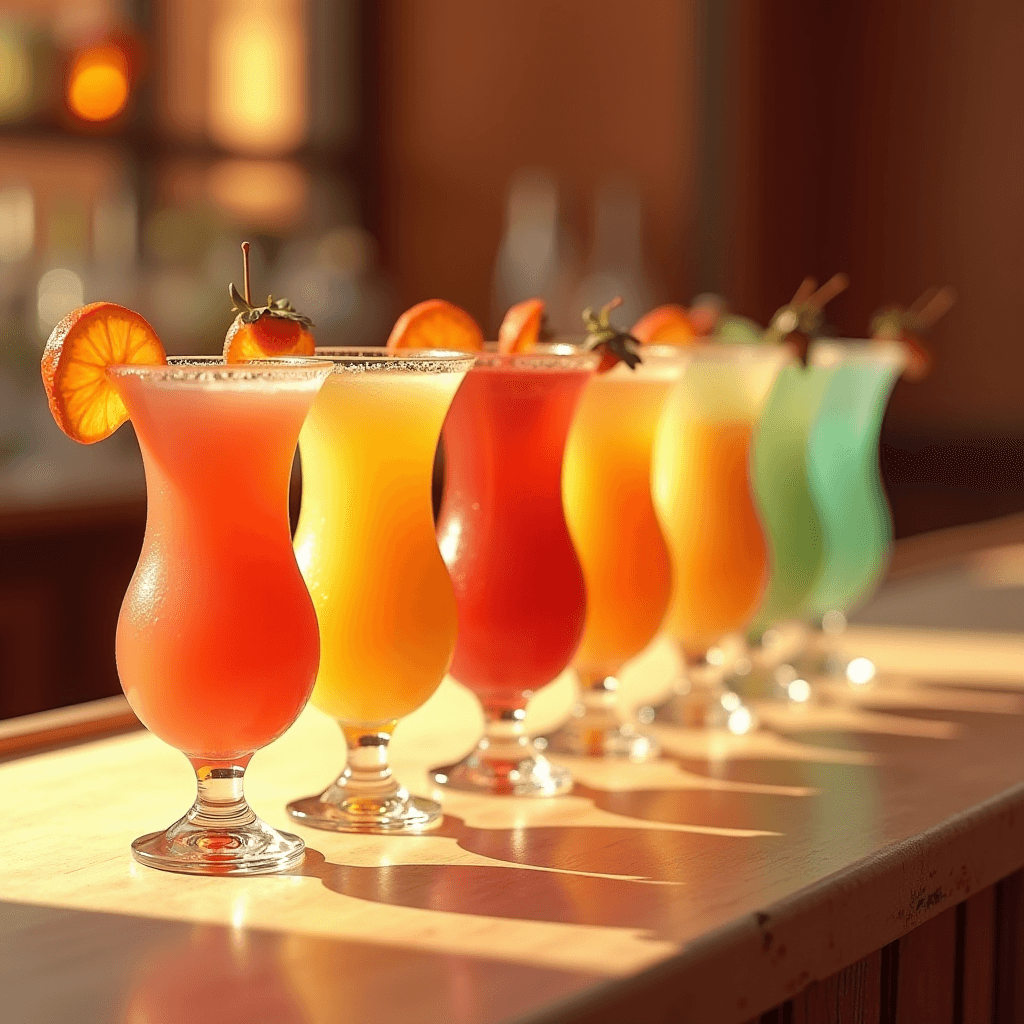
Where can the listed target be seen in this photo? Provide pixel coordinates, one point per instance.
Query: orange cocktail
(217, 641)
(703, 495)
(721, 558)
(606, 486)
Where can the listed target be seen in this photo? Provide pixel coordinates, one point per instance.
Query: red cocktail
(502, 532)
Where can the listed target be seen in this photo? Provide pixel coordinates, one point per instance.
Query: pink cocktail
(217, 641)
(502, 532)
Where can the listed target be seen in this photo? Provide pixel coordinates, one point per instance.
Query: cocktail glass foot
(595, 729)
(220, 835)
(340, 811)
(366, 797)
(702, 698)
(696, 706)
(824, 657)
(506, 762)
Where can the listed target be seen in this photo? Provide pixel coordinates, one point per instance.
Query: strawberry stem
(245, 272)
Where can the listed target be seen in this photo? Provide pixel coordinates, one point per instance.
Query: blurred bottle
(63, 268)
(19, 354)
(616, 265)
(29, 69)
(191, 254)
(17, 225)
(114, 274)
(537, 257)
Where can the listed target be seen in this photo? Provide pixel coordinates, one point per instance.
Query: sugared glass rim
(213, 370)
(572, 343)
(375, 359)
(553, 355)
(836, 351)
(739, 352)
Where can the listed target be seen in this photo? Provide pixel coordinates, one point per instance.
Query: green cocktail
(845, 484)
(779, 469)
(842, 468)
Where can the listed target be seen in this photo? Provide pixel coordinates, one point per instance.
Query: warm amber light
(98, 87)
(261, 193)
(258, 83)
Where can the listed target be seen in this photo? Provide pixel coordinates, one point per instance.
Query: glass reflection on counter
(216, 976)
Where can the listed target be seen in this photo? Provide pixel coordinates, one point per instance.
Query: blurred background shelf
(380, 154)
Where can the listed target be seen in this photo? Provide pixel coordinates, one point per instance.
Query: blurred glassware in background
(17, 76)
(140, 144)
(537, 256)
(615, 264)
(17, 223)
(27, 66)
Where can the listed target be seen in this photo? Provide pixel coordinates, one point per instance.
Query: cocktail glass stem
(596, 729)
(505, 737)
(506, 761)
(366, 797)
(367, 776)
(828, 657)
(701, 699)
(220, 834)
(796, 678)
(220, 800)
(772, 668)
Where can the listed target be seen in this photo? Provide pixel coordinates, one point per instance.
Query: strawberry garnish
(263, 332)
(614, 345)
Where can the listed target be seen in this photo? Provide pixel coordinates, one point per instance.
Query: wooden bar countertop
(710, 885)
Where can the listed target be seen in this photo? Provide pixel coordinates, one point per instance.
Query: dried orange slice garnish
(436, 324)
(84, 403)
(520, 330)
(666, 325)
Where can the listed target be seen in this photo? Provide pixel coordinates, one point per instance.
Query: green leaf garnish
(281, 309)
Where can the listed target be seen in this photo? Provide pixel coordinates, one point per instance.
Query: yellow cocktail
(606, 488)
(703, 495)
(366, 547)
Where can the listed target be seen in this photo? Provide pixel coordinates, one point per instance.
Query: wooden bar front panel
(852, 996)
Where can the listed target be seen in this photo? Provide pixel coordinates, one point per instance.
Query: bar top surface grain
(715, 882)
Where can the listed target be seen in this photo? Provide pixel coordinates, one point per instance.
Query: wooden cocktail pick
(894, 323)
(799, 321)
